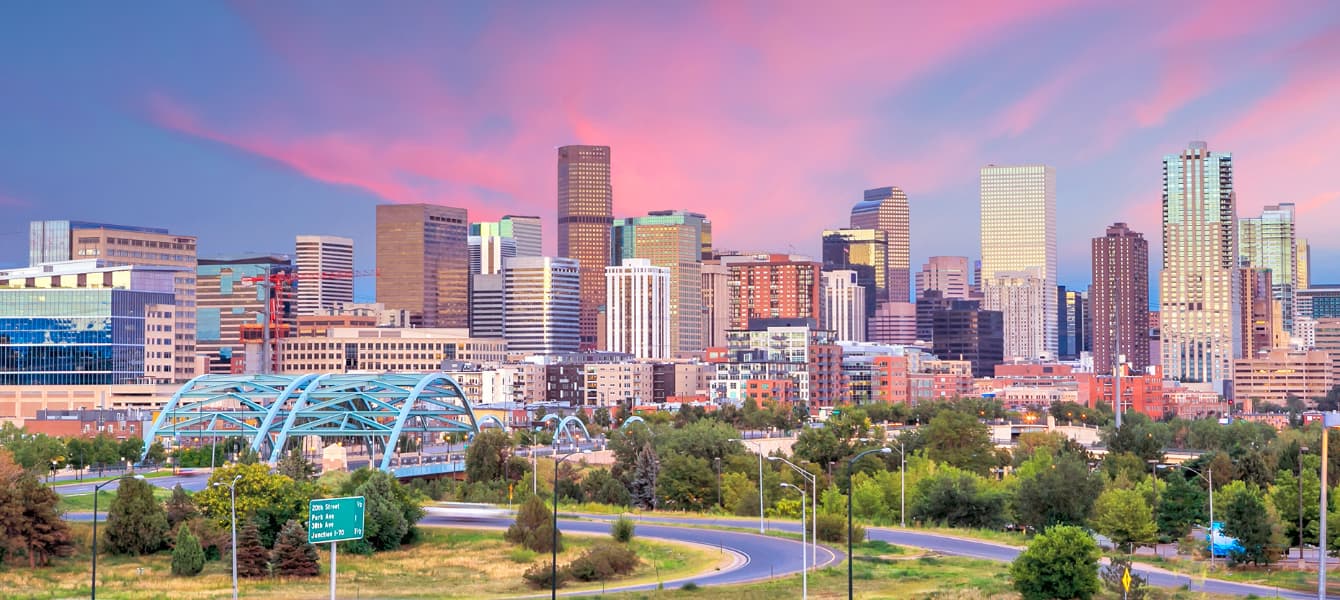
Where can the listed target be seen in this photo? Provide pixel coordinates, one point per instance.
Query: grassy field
(447, 563)
(84, 502)
(146, 474)
(1305, 581)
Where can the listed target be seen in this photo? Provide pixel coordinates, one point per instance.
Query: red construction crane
(285, 280)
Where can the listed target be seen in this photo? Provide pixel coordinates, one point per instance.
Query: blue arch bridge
(379, 416)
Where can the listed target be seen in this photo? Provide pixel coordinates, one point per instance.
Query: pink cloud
(13, 202)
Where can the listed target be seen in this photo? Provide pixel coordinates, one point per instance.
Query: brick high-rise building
(585, 215)
(1119, 299)
(424, 260)
(886, 209)
(1259, 325)
(772, 286)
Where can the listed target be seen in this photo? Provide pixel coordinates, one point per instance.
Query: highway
(193, 482)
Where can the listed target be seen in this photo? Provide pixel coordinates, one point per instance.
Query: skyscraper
(325, 272)
(1199, 303)
(771, 286)
(716, 303)
(1267, 242)
(585, 214)
(1258, 312)
(637, 309)
(964, 331)
(948, 274)
(488, 248)
(541, 299)
(1119, 298)
(528, 231)
(1074, 323)
(227, 303)
(1018, 232)
(1021, 297)
(672, 239)
(1303, 270)
(843, 309)
(864, 251)
(424, 259)
(886, 209)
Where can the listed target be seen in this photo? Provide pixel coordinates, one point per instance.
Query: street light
(885, 450)
(232, 495)
(1209, 479)
(902, 484)
(1328, 421)
(1301, 450)
(759, 448)
(96, 488)
(804, 568)
(814, 499)
(553, 571)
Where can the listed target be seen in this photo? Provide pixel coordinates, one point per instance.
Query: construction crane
(288, 280)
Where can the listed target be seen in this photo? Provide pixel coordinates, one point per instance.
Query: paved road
(1002, 553)
(193, 483)
(763, 557)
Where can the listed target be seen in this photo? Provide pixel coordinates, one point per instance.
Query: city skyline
(290, 131)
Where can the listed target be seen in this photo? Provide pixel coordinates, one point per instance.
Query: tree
(1138, 435)
(1284, 497)
(293, 556)
(959, 440)
(534, 527)
(686, 482)
(1061, 562)
(136, 522)
(252, 558)
(1123, 516)
(646, 470)
(1062, 493)
(1255, 526)
(622, 531)
(271, 499)
(187, 557)
(295, 466)
(602, 416)
(157, 454)
(384, 522)
(130, 449)
(1181, 504)
(487, 458)
(180, 508)
(956, 498)
(29, 520)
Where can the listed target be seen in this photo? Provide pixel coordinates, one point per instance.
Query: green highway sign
(335, 520)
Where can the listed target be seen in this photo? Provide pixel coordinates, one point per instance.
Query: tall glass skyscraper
(424, 259)
(864, 251)
(585, 214)
(1019, 236)
(886, 209)
(1268, 242)
(1200, 307)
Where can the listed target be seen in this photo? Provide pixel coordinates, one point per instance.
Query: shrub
(622, 530)
(187, 557)
(603, 561)
(539, 576)
(833, 528)
(534, 527)
(522, 555)
(1061, 562)
(689, 587)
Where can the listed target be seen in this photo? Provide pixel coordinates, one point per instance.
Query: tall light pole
(96, 487)
(902, 484)
(850, 559)
(804, 568)
(814, 499)
(553, 569)
(232, 495)
(1328, 420)
(759, 448)
(1301, 450)
(1208, 476)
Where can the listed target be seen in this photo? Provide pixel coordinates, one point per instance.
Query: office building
(1018, 233)
(716, 303)
(964, 331)
(1326, 337)
(1303, 268)
(418, 350)
(488, 249)
(1318, 301)
(618, 384)
(325, 272)
(1022, 298)
(541, 304)
(1259, 323)
(1119, 299)
(893, 323)
(886, 209)
(1200, 308)
(486, 306)
(233, 294)
(673, 240)
(382, 316)
(85, 322)
(771, 286)
(843, 308)
(585, 214)
(637, 309)
(1268, 242)
(928, 303)
(864, 251)
(424, 261)
(527, 231)
(1276, 375)
(1074, 325)
(947, 274)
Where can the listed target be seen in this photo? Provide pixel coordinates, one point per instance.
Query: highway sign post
(331, 520)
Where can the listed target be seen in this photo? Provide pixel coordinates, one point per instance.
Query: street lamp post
(553, 570)
(804, 567)
(885, 450)
(814, 499)
(1328, 421)
(96, 487)
(902, 484)
(232, 496)
(759, 448)
(1301, 450)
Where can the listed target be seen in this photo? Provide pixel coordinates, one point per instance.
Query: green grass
(146, 474)
(1010, 538)
(84, 502)
(1305, 581)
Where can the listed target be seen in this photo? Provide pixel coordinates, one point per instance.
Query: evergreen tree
(29, 520)
(180, 508)
(1256, 528)
(384, 523)
(646, 470)
(252, 558)
(296, 466)
(487, 458)
(1181, 503)
(188, 559)
(136, 522)
(293, 556)
(1061, 562)
(534, 527)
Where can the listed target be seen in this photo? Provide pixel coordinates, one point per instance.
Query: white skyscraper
(540, 304)
(843, 305)
(637, 309)
(1020, 297)
(325, 272)
(1200, 307)
(1019, 236)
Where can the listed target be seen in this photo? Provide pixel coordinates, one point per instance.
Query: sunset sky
(247, 123)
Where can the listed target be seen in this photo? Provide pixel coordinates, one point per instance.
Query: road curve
(971, 548)
(763, 557)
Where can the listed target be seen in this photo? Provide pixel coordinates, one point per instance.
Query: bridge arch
(565, 426)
